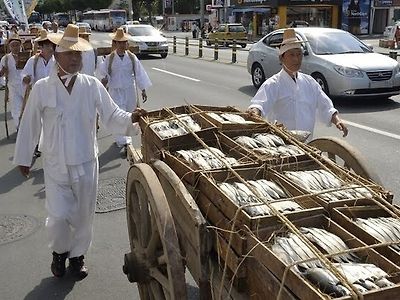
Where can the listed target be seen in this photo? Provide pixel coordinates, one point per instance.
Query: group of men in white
(60, 114)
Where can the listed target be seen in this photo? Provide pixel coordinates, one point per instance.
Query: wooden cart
(169, 231)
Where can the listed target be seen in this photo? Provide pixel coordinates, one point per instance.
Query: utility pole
(130, 10)
(201, 13)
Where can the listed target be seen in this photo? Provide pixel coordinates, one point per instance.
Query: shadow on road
(52, 288)
(248, 90)
(111, 154)
(365, 105)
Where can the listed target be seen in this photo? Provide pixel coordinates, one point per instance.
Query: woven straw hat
(14, 37)
(289, 41)
(83, 31)
(70, 39)
(44, 36)
(119, 36)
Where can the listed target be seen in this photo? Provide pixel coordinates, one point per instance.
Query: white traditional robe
(122, 84)
(296, 104)
(15, 93)
(69, 150)
(88, 62)
(42, 69)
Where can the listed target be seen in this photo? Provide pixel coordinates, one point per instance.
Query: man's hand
(144, 96)
(24, 171)
(339, 124)
(104, 81)
(27, 79)
(254, 111)
(137, 113)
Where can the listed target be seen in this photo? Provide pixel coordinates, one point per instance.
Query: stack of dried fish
(267, 191)
(229, 118)
(207, 159)
(319, 180)
(268, 144)
(292, 249)
(383, 229)
(175, 127)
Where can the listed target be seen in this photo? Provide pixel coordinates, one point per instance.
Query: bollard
(393, 54)
(216, 50)
(234, 51)
(200, 47)
(174, 45)
(187, 46)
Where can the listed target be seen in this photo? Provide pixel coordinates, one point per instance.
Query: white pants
(126, 100)
(70, 203)
(15, 99)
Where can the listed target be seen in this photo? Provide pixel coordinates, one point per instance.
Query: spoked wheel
(346, 156)
(155, 262)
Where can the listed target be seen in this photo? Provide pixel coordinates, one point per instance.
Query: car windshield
(335, 43)
(143, 31)
(236, 28)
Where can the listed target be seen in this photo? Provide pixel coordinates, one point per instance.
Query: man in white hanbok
(291, 97)
(9, 69)
(89, 58)
(123, 73)
(65, 105)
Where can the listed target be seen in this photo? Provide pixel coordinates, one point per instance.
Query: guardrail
(186, 43)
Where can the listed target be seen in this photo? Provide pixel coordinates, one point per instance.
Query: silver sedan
(341, 63)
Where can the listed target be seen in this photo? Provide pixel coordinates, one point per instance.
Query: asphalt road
(177, 80)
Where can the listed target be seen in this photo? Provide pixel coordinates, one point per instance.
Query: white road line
(385, 133)
(177, 75)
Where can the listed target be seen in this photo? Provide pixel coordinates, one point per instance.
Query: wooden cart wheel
(345, 155)
(155, 262)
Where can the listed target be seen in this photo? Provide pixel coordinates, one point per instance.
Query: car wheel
(164, 55)
(243, 45)
(257, 75)
(321, 81)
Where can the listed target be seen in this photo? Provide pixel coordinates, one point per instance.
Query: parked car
(48, 23)
(147, 38)
(341, 63)
(84, 25)
(298, 23)
(391, 30)
(227, 33)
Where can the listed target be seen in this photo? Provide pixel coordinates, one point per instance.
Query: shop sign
(249, 2)
(355, 16)
(383, 3)
(309, 2)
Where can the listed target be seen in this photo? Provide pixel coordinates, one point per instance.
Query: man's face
(70, 61)
(121, 46)
(47, 48)
(292, 59)
(15, 46)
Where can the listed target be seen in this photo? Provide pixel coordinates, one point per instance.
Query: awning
(252, 9)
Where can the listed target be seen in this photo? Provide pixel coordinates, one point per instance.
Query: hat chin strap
(68, 76)
(293, 73)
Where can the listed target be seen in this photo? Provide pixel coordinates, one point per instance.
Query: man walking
(64, 106)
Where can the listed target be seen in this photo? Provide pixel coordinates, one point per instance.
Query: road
(374, 130)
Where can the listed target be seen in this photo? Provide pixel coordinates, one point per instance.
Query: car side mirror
(305, 51)
(370, 47)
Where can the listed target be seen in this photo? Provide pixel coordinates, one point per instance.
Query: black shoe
(77, 267)
(58, 264)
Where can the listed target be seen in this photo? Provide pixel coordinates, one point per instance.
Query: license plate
(152, 48)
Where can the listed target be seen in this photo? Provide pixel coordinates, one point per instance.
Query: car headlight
(397, 69)
(349, 72)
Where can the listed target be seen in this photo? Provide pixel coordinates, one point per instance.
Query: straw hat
(119, 35)
(70, 39)
(44, 36)
(289, 41)
(83, 31)
(14, 37)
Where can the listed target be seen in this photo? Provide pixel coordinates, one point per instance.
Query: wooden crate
(190, 173)
(215, 198)
(205, 108)
(297, 190)
(149, 136)
(344, 217)
(297, 284)
(268, 159)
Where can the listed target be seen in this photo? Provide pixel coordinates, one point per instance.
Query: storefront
(320, 13)
(263, 16)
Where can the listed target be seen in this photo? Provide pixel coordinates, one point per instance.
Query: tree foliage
(53, 6)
